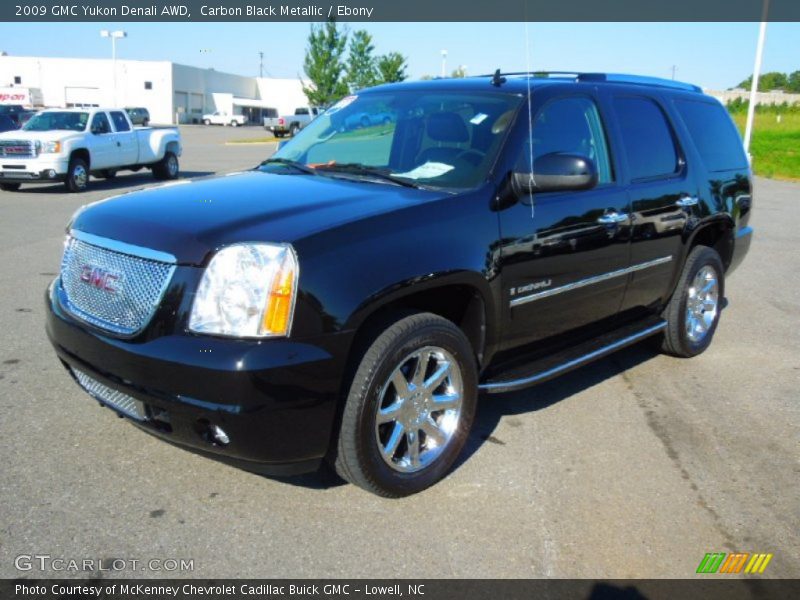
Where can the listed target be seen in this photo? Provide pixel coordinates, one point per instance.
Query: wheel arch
(716, 233)
(83, 154)
(463, 299)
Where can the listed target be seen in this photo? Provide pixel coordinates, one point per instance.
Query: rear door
(125, 139)
(564, 254)
(663, 196)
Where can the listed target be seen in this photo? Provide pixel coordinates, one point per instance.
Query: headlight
(49, 147)
(248, 290)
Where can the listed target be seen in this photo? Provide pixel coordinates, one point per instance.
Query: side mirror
(556, 172)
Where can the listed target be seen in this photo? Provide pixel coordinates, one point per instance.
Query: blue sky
(713, 55)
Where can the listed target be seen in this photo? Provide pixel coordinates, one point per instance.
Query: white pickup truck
(70, 144)
(291, 124)
(223, 118)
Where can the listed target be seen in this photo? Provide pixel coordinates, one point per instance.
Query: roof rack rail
(639, 80)
(606, 77)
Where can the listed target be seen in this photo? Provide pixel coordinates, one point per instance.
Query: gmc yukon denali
(349, 299)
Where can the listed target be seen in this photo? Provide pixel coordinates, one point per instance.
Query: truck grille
(114, 291)
(17, 149)
(119, 401)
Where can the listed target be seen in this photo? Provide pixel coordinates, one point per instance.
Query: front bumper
(275, 400)
(33, 169)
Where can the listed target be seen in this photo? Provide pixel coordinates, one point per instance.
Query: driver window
(100, 123)
(572, 126)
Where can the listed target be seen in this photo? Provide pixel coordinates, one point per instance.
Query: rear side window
(713, 134)
(647, 138)
(120, 122)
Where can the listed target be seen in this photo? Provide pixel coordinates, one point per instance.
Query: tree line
(338, 63)
(775, 80)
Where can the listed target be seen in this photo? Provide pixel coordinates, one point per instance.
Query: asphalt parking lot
(635, 466)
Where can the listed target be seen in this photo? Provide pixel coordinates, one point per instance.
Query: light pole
(114, 35)
(444, 63)
(751, 108)
(261, 65)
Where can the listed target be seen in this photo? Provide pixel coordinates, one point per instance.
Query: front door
(103, 149)
(564, 255)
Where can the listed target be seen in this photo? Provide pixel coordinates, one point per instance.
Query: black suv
(349, 298)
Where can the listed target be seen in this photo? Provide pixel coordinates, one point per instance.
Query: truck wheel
(10, 187)
(77, 175)
(234, 123)
(410, 407)
(206, 121)
(294, 130)
(167, 167)
(693, 311)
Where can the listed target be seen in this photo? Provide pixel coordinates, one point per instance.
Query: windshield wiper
(290, 163)
(359, 169)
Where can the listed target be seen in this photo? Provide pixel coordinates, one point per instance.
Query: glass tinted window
(571, 126)
(647, 138)
(53, 121)
(439, 139)
(100, 123)
(713, 134)
(301, 111)
(120, 122)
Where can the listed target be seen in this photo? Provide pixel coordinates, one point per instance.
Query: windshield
(54, 121)
(438, 139)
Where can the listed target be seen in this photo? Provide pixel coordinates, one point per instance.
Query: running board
(562, 362)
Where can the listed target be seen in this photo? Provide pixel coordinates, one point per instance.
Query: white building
(173, 93)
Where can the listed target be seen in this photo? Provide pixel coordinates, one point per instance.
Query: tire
(77, 179)
(234, 123)
(206, 121)
(167, 168)
(294, 130)
(364, 453)
(145, 123)
(10, 187)
(693, 312)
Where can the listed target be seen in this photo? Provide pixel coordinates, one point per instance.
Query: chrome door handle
(687, 201)
(612, 218)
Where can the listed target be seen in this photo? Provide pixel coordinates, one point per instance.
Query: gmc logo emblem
(100, 278)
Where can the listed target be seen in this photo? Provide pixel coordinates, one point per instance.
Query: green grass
(775, 146)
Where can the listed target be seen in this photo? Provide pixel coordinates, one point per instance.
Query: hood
(41, 136)
(191, 219)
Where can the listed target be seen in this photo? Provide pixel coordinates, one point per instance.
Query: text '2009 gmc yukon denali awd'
(349, 298)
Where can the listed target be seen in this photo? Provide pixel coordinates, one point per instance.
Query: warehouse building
(172, 92)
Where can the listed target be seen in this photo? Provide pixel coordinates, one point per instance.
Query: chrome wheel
(79, 176)
(419, 409)
(702, 304)
(172, 165)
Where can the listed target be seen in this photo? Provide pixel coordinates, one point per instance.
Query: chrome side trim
(515, 384)
(589, 281)
(122, 247)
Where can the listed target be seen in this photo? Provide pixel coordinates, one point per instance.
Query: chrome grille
(112, 290)
(119, 401)
(17, 149)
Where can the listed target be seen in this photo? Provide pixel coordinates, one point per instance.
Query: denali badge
(100, 278)
(537, 285)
